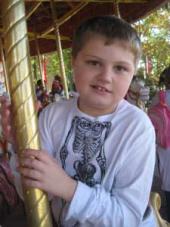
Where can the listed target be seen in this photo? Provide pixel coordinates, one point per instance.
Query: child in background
(138, 93)
(57, 87)
(98, 150)
(162, 127)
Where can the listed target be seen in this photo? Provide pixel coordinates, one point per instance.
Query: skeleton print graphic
(88, 143)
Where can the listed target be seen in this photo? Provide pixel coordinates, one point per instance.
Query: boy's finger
(40, 155)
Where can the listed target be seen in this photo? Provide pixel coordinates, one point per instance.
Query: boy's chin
(102, 108)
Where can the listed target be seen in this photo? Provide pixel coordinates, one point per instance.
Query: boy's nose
(106, 73)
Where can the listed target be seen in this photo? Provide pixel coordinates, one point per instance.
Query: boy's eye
(121, 68)
(93, 62)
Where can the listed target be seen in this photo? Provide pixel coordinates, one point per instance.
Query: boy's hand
(6, 122)
(40, 170)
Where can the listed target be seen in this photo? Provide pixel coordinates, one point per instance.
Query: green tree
(154, 31)
(53, 66)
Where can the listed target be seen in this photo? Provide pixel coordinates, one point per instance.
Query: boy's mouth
(100, 88)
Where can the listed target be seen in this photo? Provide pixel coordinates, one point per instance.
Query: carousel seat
(155, 200)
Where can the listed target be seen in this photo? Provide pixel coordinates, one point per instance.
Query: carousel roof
(68, 14)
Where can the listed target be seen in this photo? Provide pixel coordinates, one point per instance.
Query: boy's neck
(95, 112)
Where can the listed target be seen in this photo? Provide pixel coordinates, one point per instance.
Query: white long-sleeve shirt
(112, 157)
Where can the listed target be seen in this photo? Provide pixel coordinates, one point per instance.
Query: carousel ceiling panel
(68, 15)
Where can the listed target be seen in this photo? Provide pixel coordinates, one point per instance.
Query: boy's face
(102, 75)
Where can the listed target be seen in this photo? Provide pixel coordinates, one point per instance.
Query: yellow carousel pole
(117, 9)
(23, 100)
(39, 58)
(59, 50)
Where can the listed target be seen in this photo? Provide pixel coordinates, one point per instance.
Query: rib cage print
(88, 140)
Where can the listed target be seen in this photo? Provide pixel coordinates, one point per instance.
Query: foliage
(155, 35)
(53, 66)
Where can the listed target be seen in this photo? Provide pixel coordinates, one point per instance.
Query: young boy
(104, 146)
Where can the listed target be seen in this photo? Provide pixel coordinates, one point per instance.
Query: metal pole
(117, 9)
(59, 48)
(39, 58)
(23, 100)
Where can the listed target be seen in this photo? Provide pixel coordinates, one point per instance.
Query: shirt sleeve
(126, 203)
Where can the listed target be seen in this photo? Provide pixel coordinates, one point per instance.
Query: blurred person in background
(161, 121)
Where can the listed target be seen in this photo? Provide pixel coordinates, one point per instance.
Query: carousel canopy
(68, 14)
